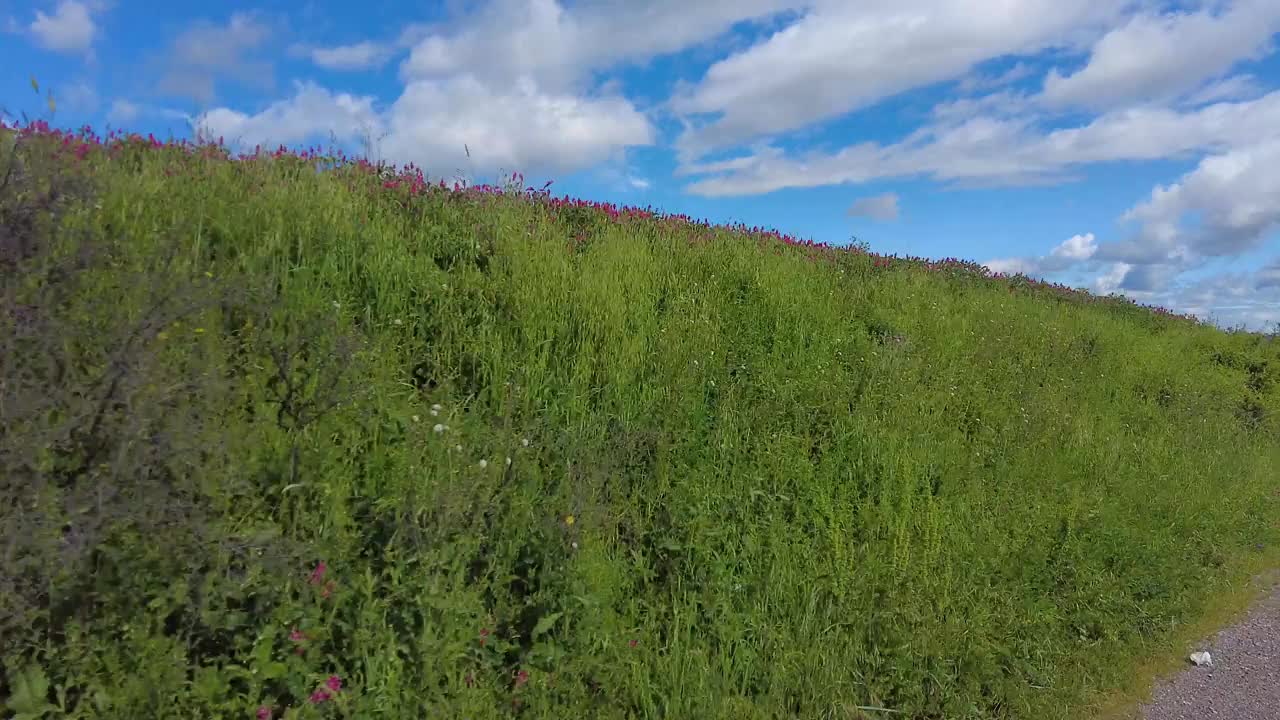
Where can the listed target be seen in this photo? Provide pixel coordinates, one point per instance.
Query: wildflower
(416, 418)
(297, 635)
(458, 448)
(522, 677)
(438, 428)
(524, 442)
(436, 407)
(508, 460)
(568, 520)
(317, 575)
(484, 464)
(334, 683)
(398, 321)
(320, 696)
(264, 713)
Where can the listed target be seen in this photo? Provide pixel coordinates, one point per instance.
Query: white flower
(416, 418)
(484, 464)
(524, 442)
(508, 460)
(438, 428)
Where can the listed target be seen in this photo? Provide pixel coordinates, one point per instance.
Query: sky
(1113, 145)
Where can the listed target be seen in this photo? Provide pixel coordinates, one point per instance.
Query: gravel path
(1244, 681)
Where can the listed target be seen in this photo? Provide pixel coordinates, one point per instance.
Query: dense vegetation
(277, 442)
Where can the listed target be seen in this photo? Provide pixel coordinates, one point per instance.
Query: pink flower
(320, 696)
(522, 677)
(317, 575)
(297, 635)
(334, 683)
(264, 713)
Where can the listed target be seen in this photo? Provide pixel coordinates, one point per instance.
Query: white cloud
(310, 112)
(1231, 299)
(359, 56)
(69, 29)
(123, 112)
(1235, 87)
(79, 96)
(560, 49)
(1159, 57)
(521, 128)
(1073, 250)
(1076, 248)
(1000, 150)
(433, 124)
(975, 83)
(1234, 194)
(845, 56)
(205, 52)
(1010, 266)
(878, 207)
(1232, 197)
(1110, 281)
(1269, 276)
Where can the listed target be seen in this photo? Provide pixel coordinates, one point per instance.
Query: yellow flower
(568, 520)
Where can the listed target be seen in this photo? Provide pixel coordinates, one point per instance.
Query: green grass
(803, 483)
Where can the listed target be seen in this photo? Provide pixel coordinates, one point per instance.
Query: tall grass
(287, 443)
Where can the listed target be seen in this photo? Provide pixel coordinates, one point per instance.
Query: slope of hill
(277, 442)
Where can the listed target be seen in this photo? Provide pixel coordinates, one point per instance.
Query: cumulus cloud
(443, 125)
(79, 96)
(878, 207)
(202, 54)
(1159, 57)
(842, 57)
(70, 29)
(1231, 299)
(1236, 87)
(1269, 276)
(1075, 249)
(523, 127)
(1233, 194)
(312, 111)
(506, 40)
(123, 112)
(360, 56)
(997, 150)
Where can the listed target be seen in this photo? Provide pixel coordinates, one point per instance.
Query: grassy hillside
(284, 443)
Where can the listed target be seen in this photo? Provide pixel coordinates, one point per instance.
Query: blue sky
(1115, 145)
